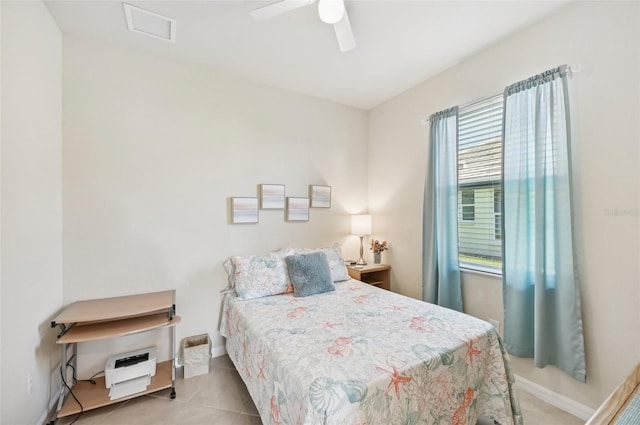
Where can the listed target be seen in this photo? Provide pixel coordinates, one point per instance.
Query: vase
(376, 257)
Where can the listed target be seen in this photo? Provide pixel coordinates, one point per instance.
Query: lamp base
(361, 261)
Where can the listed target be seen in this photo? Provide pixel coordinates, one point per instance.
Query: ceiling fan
(330, 11)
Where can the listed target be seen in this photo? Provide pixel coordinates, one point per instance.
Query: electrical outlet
(496, 324)
(29, 383)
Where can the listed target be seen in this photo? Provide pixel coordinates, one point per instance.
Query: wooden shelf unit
(97, 319)
(374, 274)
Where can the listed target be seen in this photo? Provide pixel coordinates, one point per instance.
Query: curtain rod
(571, 69)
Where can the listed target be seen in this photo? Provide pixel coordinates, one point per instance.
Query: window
(479, 187)
(497, 212)
(468, 205)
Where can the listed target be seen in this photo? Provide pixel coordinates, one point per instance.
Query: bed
(363, 355)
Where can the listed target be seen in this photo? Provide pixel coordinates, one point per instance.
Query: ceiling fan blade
(344, 33)
(278, 8)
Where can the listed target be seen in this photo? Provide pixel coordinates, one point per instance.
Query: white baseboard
(555, 399)
(50, 408)
(218, 351)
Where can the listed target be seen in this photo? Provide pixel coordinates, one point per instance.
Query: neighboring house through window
(479, 186)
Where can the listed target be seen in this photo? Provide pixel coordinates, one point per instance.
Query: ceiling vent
(150, 23)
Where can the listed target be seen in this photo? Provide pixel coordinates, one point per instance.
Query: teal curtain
(440, 267)
(543, 317)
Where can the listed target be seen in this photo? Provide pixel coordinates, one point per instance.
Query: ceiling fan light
(331, 11)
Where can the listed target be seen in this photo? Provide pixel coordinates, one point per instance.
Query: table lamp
(361, 226)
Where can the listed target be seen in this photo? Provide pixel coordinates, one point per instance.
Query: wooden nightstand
(374, 274)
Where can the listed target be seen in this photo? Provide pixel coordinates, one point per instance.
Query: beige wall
(604, 38)
(152, 151)
(31, 198)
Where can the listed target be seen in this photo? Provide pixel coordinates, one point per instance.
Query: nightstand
(374, 274)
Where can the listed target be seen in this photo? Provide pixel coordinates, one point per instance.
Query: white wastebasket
(195, 353)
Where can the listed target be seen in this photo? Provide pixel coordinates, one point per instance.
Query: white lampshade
(361, 224)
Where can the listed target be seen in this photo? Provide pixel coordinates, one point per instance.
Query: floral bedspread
(362, 355)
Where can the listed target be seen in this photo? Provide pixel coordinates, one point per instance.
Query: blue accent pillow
(309, 274)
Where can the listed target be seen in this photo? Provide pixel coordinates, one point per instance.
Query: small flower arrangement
(377, 246)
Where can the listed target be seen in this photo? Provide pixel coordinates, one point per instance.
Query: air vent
(150, 23)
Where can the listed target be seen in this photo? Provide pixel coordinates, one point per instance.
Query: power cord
(90, 380)
(75, 381)
(64, 381)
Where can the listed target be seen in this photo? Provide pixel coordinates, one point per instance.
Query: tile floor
(221, 398)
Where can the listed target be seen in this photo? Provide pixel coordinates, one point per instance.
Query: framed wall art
(297, 209)
(320, 196)
(272, 197)
(244, 210)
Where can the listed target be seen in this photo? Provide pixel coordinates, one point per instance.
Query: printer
(130, 373)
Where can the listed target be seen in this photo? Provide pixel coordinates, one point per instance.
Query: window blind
(479, 186)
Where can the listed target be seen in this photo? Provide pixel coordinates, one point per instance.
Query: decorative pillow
(310, 274)
(256, 276)
(339, 271)
(230, 268)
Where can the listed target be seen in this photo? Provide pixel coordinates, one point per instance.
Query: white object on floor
(195, 354)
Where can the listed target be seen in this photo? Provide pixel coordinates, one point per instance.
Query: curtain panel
(543, 317)
(440, 268)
